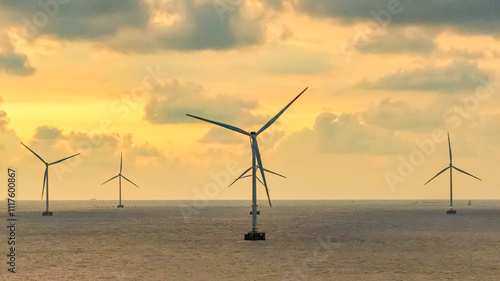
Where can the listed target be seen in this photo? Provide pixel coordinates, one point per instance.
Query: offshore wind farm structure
(256, 165)
(451, 167)
(46, 178)
(120, 176)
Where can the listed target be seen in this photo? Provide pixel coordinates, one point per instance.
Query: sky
(387, 79)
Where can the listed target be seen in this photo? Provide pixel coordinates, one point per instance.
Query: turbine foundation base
(47, 214)
(451, 212)
(119, 206)
(255, 236)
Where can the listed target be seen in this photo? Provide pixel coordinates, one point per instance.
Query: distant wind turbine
(451, 167)
(120, 176)
(46, 178)
(256, 164)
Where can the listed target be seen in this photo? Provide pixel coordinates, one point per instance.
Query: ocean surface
(305, 240)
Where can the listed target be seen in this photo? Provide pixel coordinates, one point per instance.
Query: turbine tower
(120, 176)
(451, 167)
(256, 164)
(46, 178)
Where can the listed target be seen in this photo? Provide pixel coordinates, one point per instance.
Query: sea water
(305, 240)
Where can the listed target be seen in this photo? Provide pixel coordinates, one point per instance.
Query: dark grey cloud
(133, 25)
(474, 17)
(69, 20)
(204, 28)
(458, 76)
(200, 26)
(170, 103)
(11, 61)
(16, 64)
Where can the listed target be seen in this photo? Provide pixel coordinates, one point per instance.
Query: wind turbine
(120, 176)
(46, 178)
(451, 167)
(256, 164)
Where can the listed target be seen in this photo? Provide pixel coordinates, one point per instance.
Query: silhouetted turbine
(46, 177)
(120, 176)
(256, 159)
(451, 167)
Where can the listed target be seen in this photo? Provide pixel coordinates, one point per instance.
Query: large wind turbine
(451, 167)
(256, 164)
(46, 178)
(120, 176)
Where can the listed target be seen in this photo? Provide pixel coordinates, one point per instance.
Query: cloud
(222, 136)
(459, 76)
(11, 61)
(8, 137)
(293, 60)
(203, 28)
(47, 133)
(76, 20)
(405, 41)
(463, 16)
(345, 133)
(170, 103)
(466, 54)
(141, 26)
(399, 115)
(4, 119)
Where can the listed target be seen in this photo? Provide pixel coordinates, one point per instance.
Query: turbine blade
(270, 122)
(247, 176)
(261, 168)
(259, 180)
(466, 173)
(449, 146)
(34, 153)
(44, 179)
(233, 128)
(130, 181)
(110, 179)
(59, 161)
(241, 176)
(121, 157)
(274, 173)
(437, 174)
